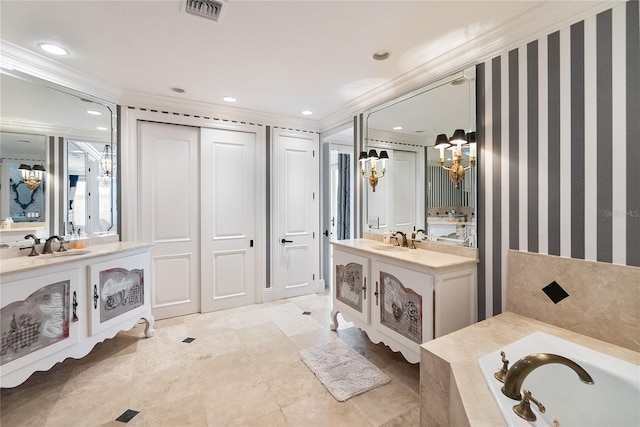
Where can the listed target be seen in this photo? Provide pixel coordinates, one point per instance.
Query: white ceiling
(278, 57)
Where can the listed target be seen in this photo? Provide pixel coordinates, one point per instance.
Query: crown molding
(21, 126)
(180, 106)
(539, 21)
(41, 67)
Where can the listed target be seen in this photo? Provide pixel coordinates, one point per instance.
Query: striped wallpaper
(559, 162)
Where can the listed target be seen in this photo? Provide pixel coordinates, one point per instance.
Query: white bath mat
(342, 370)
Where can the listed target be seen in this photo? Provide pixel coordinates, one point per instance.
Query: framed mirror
(415, 190)
(37, 121)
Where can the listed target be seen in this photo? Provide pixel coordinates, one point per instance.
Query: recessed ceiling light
(381, 55)
(229, 99)
(397, 128)
(94, 113)
(53, 49)
(102, 128)
(177, 90)
(306, 112)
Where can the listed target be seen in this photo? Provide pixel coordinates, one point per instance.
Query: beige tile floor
(242, 369)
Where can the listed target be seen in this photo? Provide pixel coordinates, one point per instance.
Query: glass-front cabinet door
(402, 304)
(38, 318)
(117, 290)
(351, 288)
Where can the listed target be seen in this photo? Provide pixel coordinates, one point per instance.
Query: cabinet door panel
(37, 318)
(351, 290)
(403, 304)
(117, 290)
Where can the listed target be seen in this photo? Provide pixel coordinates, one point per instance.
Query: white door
(169, 215)
(295, 240)
(404, 191)
(228, 260)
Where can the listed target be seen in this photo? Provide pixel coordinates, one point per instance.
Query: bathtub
(612, 400)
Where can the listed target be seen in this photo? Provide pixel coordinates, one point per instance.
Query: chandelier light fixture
(455, 143)
(106, 160)
(32, 175)
(373, 158)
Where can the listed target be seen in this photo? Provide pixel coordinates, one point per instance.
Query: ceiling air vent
(208, 8)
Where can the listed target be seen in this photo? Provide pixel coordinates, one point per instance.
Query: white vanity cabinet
(39, 319)
(50, 311)
(351, 285)
(117, 291)
(402, 297)
(402, 306)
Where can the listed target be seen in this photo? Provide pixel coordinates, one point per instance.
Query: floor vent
(207, 8)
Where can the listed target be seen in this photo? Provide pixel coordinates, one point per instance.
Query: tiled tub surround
(452, 388)
(600, 312)
(603, 301)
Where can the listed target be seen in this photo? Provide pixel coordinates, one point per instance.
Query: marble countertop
(25, 263)
(421, 257)
(462, 349)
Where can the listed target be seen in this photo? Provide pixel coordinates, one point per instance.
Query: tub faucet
(523, 367)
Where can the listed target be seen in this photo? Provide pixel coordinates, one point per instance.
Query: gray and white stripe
(559, 131)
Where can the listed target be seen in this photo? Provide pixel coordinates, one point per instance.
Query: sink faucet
(403, 242)
(523, 367)
(36, 241)
(47, 245)
(416, 232)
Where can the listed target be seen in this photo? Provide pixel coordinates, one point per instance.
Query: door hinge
(314, 277)
(313, 234)
(250, 243)
(313, 152)
(313, 195)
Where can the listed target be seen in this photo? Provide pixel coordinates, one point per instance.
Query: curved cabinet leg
(334, 319)
(148, 329)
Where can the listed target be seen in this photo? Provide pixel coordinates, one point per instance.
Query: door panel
(169, 215)
(296, 189)
(228, 219)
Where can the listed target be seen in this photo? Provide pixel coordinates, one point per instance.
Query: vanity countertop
(26, 263)
(452, 361)
(420, 257)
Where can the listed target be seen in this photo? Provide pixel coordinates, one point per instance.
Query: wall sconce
(373, 158)
(32, 176)
(106, 160)
(455, 143)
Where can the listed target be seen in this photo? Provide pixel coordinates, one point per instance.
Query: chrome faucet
(403, 242)
(518, 372)
(47, 245)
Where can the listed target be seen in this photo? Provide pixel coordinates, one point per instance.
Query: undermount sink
(72, 252)
(389, 248)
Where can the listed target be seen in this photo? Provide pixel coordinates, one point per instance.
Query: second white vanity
(402, 297)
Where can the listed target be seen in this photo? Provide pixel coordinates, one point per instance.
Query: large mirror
(418, 190)
(57, 161)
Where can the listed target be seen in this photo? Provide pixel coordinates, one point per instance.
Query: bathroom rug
(342, 370)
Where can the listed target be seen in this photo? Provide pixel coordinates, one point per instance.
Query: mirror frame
(57, 197)
(469, 74)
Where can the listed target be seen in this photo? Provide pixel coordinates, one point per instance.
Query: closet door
(228, 259)
(169, 215)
